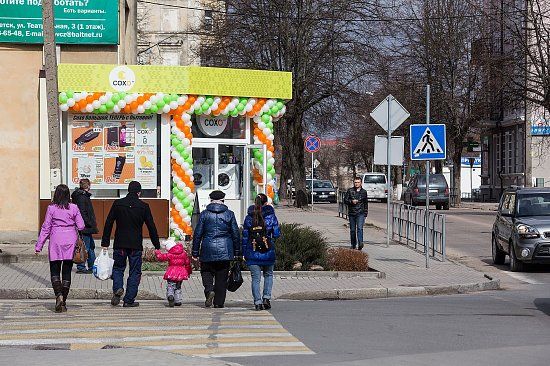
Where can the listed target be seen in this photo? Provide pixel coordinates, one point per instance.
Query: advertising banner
(112, 150)
(76, 21)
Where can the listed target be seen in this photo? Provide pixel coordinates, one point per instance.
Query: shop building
(182, 131)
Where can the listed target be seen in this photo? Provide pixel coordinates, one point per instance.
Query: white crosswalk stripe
(190, 329)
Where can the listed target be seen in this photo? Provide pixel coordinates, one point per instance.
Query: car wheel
(384, 200)
(446, 206)
(515, 264)
(498, 255)
(438, 207)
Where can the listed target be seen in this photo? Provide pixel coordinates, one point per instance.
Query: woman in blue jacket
(216, 242)
(260, 230)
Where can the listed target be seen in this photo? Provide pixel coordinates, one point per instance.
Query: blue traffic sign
(428, 142)
(312, 144)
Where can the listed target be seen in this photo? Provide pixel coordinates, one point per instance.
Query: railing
(409, 226)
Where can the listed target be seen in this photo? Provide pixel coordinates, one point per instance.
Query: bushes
(300, 244)
(344, 259)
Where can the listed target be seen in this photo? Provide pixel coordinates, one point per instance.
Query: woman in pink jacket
(61, 226)
(179, 269)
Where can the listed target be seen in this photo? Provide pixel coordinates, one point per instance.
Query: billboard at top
(76, 21)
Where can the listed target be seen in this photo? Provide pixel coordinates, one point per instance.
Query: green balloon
(115, 98)
(274, 109)
(121, 95)
(271, 171)
(180, 195)
(269, 166)
(280, 105)
(266, 118)
(173, 97)
(175, 141)
(69, 93)
(185, 201)
(103, 109)
(110, 105)
(269, 125)
(191, 165)
(190, 210)
(257, 153)
(240, 107)
(154, 108)
(167, 99)
(175, 189)
(243, 100)
(63, 98)
(198, 111)
(96, 111)
(180, 147)
(147, 111)
(234, 112)
(209, 100)
(160, 104)
(205, 106)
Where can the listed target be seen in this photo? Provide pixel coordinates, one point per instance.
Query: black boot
(65, 293)
(58, 291)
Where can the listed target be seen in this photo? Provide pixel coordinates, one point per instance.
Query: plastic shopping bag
(103, 266)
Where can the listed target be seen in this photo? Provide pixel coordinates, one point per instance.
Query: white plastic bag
(103, 266)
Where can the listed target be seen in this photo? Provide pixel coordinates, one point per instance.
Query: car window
(435, 179)
(536, 204)
(375, 179)
(322, 184)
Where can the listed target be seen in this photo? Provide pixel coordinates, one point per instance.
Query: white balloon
(179, 160)
(217, 100)
(186, 118)
(262, 126)
(181, 185)
(189, 172)
(77, 96)
(235, 101)
(175, 200)
(179, 206)
(109, 95)
(257, 119)
(89, 108)
(160, 96)
(173, 226)
(201, 99)
(265, 108)
(185, 165)
(242, 113)
(248, 108)
(181, 100)
(189, 149)
(271, 137)
(185, 141)
(269, 177)
(141, 109)
(70, 102)
(196, 105)
(271, 160)
(103, 99)
(183, 212)
(96, 104)
(166, 108)
(147, 104)
(64, 107)
(269, 154)
(187, 219)
(187, 191)
(181, 135)
(173, 105)
(266, 131)
(154, 99)
(116, 109)
(208, 111)
(121, 104)
(128, 99)
(214, 106)
(192, 179)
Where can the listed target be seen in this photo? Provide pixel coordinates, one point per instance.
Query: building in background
(99, 31)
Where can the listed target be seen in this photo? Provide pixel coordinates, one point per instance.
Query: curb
(77, 293)
(283, 274)
(386, 292)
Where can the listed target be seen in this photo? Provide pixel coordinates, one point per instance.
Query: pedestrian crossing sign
(428, 142)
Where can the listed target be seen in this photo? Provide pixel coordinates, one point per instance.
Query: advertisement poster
(76, 21)
(112, 150)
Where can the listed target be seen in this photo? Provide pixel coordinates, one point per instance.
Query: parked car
(522, 228)
(376, 186)
(323, 191)
(415, 192)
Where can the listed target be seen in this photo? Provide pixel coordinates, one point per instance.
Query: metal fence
(342, 207)
(409, 226)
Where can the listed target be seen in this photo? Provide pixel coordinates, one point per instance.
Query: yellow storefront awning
(175, 80)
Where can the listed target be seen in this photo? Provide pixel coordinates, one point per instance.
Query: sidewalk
(403, 272)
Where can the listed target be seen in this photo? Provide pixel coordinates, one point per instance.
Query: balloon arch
(180, 107)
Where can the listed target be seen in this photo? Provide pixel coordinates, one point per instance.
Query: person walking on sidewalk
(216, 242)
(81, 197)
(358, 209)
(179, 269)
(61, 226)
(260, 229)
(129, 213)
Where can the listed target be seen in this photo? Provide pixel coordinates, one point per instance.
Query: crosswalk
(189, 330)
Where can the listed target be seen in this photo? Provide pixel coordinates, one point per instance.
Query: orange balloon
(178, 220)
(186, 106)
(134, 105)
(191, 99)
(89, 99)
(180, 110)
(191, 185)
(271, 148)
(185, 179)
(127, 109)
(83, 103)
(185, 129)
(180, 124)
(140, 99)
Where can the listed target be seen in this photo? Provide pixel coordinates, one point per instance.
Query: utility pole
(50, 61)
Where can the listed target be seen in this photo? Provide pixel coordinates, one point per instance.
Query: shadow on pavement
(543, 304)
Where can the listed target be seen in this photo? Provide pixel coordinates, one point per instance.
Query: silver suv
(522, 228)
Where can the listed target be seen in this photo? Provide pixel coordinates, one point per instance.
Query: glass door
(255, 172)
(205, 166)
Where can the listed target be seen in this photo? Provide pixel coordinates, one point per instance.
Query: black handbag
(235, 279)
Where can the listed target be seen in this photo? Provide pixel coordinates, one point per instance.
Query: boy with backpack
(260, 230)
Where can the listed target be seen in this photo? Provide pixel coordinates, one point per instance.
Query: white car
(376, 186)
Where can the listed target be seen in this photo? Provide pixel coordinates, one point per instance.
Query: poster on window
(112, 150)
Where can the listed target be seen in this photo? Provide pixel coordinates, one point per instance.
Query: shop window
(203, 168)
(210, 127)
(112, 150)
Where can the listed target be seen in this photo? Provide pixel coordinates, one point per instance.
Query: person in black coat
(81, 198)
(130, 213)
(358, 209)
(216, 242)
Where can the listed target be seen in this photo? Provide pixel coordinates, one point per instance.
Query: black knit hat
(217, 195)
(134, 187)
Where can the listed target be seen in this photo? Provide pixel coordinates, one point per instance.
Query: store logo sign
(212, 126)
(122, 78)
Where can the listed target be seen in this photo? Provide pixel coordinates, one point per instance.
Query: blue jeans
(356, 223)
(90, 248)
(256, 274)
(134, 278)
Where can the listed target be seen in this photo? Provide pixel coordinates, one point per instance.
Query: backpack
(258, 239)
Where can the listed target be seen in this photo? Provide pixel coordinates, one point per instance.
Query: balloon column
(181, 107)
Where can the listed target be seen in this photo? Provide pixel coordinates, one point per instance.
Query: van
(376, 186)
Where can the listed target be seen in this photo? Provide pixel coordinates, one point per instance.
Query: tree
(322, 42)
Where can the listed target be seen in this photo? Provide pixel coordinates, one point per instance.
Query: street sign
(312, 144)
(398, 114)
(428, 142)
(381, 150)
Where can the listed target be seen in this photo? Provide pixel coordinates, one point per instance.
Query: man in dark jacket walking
(216, 242)
(130, 213)
(81, 198)
(358, 208)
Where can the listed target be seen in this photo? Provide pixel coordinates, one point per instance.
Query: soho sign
(212, 126)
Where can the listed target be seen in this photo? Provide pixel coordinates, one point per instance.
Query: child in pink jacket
(179, 269)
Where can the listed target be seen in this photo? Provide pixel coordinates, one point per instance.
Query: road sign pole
(426, 236)
(388, 200)
(312, 182)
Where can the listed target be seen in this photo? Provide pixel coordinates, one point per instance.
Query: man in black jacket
(81, 198)
(130, 213)
(358, 208)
